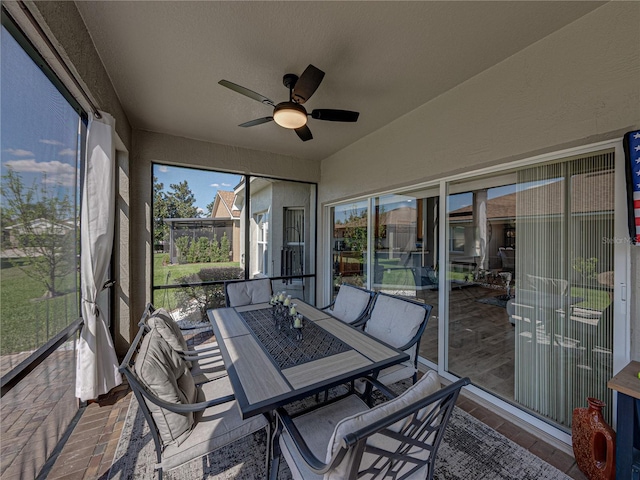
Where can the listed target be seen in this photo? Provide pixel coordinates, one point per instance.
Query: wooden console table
(627, 384)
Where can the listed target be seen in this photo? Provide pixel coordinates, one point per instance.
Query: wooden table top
(258, 382)
(626, 380)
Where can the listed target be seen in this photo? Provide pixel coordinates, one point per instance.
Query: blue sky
(203, 183)
(39, 129)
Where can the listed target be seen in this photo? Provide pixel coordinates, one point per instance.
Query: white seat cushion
(323, 429)
(317, 429)
(394, 320)
(350, 303)
(214, 428)
(249, 292)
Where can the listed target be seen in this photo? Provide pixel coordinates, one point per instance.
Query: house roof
(383, 59)
(226, 198)
(590, 193)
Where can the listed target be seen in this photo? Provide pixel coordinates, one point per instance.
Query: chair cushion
(168, 329)
(394, 320)
(428, 384)
(249, 292)
(214, 427)
(317, 429)
(350, 303)
(167, 376)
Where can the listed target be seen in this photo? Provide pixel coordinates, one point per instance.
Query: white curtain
(96, 363)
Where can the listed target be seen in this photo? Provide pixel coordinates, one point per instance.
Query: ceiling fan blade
(257, 121)
(246, 92)
(307, 84)
(304, 133)
(335, 115)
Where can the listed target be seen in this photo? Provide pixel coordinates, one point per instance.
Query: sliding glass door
(521, 267)
(529, 279)
(564, 277)
(401, 232)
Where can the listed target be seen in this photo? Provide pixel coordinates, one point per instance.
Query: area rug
(469, 450)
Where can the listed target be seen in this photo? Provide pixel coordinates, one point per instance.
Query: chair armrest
(450, 391)
(314, 463)
(173, 407)
(380, 386)
(328, 306)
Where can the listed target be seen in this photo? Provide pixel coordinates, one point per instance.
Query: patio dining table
(270, 367)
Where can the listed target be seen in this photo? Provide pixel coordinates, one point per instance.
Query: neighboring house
(39, 226)
(279, 228)
(224, 208)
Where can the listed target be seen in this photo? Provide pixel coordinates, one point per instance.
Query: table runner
(282, 345)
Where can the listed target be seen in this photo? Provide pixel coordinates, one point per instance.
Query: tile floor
(90, 449)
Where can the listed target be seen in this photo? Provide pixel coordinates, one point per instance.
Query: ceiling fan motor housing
(290, 115)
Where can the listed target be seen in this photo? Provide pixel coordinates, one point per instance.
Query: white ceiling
(382, 59)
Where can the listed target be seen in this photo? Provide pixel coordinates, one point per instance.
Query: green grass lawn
(171, 274)
(27, 320)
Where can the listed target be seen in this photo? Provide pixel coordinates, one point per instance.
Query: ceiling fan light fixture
(290, 115)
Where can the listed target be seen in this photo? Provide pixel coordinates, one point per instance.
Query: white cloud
(215, 185)
(200, 210)
(163, 169)
(68, 151)
(18, 152)
(55, 172)
(51, 142)
(226, 184)
(63, 179)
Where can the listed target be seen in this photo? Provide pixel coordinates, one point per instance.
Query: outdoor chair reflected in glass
(345, 439)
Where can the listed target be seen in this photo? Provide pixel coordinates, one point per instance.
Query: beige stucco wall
(574, 87)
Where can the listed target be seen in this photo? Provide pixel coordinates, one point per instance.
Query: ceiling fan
(291, 114)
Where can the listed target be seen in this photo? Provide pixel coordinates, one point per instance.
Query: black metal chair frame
(141, 393)
(414, 434)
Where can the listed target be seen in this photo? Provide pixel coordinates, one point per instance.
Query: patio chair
(351, 305)
(187, 421)
(205, 361)
(247, 292)
(399, 322)
(345, 439)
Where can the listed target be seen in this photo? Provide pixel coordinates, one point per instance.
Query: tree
(160, 212)
(181, 201)
(210, 208)
(44, 230)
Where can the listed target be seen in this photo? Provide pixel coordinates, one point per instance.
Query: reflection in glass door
(405, 260)
(529, 278)
(402, 232)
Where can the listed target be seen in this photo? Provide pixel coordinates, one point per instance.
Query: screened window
(41, 134)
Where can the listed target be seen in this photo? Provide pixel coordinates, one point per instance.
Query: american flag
(632, 150)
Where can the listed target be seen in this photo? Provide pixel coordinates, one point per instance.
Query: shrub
(182, 244)
(206, 296)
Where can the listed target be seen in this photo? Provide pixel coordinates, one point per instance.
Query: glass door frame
(622, 255)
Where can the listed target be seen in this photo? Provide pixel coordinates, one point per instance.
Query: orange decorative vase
(594, 442)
